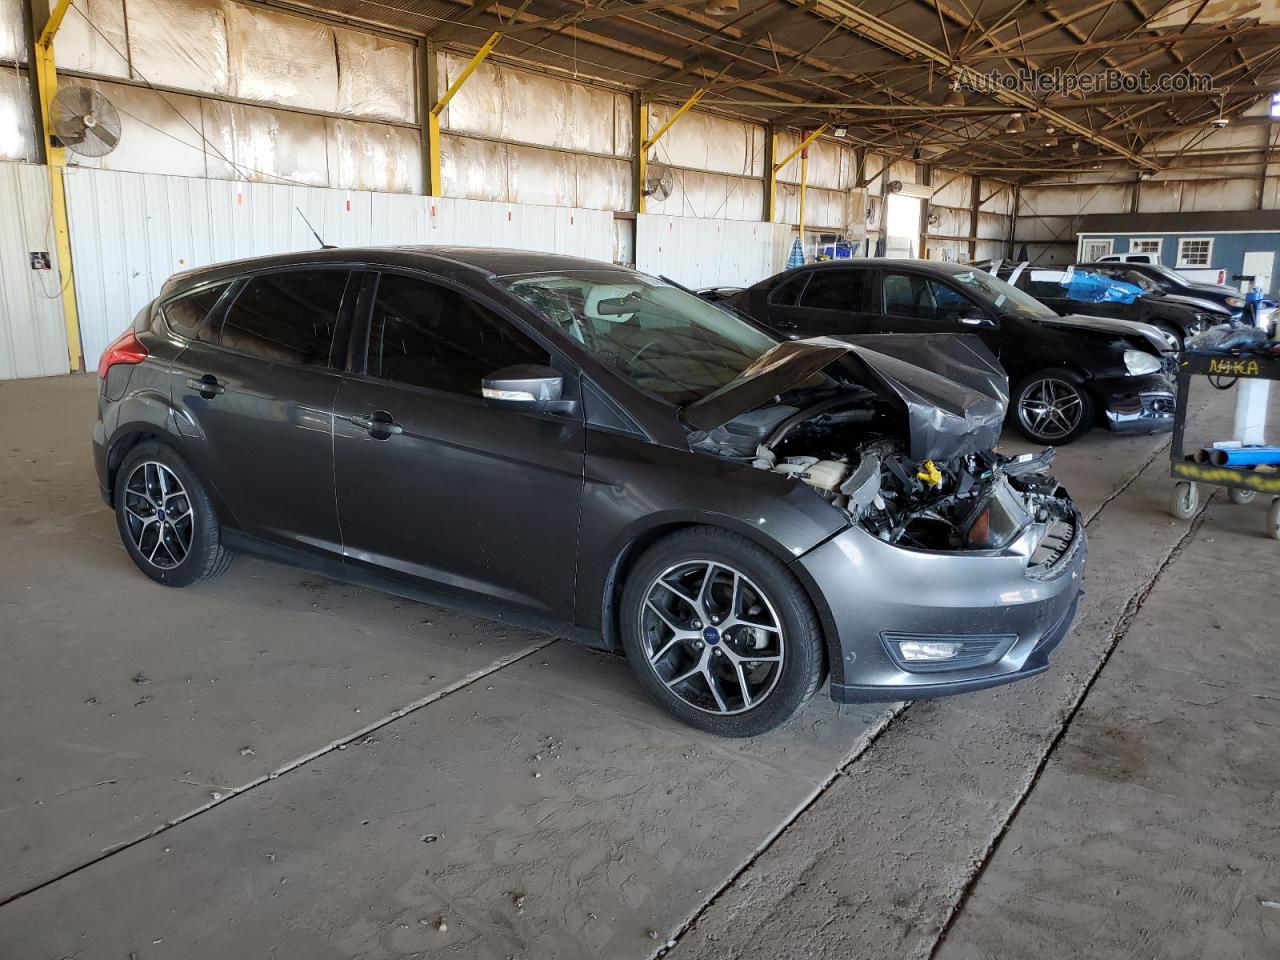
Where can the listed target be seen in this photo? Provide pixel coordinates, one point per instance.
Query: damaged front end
(901, 438)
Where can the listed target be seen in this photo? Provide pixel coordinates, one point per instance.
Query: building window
(1194, 252)
(1091, 250)
(1144, 246)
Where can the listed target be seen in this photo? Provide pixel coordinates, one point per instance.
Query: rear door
(434, 484)
(832, 300)
(256, 385)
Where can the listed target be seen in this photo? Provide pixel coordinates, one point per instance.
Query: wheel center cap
(160, 515)
(711, 635)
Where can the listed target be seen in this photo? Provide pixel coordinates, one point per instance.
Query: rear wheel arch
(120, 446)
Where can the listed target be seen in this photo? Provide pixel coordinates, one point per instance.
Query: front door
(914, 303)
(255, 390)
(434, 484)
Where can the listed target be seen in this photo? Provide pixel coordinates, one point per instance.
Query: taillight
(124, 349)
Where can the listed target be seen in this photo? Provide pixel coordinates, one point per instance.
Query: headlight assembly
(1234, 302)
(1139, 363)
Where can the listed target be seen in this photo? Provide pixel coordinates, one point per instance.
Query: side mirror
(526, 386)
(978, 320)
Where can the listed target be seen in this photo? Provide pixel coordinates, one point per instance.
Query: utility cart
(1227, 465)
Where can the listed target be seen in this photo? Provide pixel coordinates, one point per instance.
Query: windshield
(1167, 274)
(1009, 300)
(666, 341)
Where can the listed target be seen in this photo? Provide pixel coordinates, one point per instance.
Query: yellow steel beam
(56, 156)
(771, 174)
(466, 73)
(803, 145)
(433, 115)
(680, 112)
(642, 159)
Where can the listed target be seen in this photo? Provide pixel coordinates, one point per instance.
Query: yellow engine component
(930, 473)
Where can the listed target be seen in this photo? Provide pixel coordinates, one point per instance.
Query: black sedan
(1179, 317)
(1172, 282)
(590, 450)
(1069, 372)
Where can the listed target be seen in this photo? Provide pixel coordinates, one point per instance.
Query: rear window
(837, 290)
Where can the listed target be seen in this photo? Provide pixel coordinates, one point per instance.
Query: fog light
(929, 650)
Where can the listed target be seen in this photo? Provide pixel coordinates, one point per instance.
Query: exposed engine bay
(902, 465)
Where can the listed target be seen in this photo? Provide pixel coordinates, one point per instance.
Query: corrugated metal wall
(33, 338)
(710, 253)
(131, 231)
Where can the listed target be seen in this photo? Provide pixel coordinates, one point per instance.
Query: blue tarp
(1086, 287)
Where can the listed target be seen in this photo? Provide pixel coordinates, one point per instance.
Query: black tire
(1029, 396)
(139, 500)
(769, 594)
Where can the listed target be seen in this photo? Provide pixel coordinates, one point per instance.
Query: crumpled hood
(1127, 328)
(954, 390)
(1195, 303)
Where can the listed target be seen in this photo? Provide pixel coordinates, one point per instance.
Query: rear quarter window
(186, 315)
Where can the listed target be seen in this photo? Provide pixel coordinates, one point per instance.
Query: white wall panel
(131, 231)
(13, 39)
(33, 339)
(711, 195)
(17, 124)
(710, 253)
(702, 141)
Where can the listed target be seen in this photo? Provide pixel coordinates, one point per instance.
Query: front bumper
(1137, 404)
(875, 592)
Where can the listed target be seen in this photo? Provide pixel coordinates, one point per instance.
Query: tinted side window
(287, 316)
(787, 293)
(185, 315)
(430, 336)
(908, 295)
(837, 290)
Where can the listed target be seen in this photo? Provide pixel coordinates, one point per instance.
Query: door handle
(379, 424)
(207, 386)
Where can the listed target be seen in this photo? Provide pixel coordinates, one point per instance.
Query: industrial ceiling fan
(85, 122)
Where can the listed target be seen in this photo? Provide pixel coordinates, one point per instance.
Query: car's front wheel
(720, 633)
(1052, 407)
(165, 517)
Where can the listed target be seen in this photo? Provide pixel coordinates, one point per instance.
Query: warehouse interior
(278, 762)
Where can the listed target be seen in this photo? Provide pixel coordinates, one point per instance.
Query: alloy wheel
(1051, 408)
(712, 637)
(159, 515)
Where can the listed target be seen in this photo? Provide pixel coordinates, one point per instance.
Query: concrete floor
(278, 765)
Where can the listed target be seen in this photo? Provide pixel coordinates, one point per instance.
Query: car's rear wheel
(1052, 407)
(165, 517)
(720, 633)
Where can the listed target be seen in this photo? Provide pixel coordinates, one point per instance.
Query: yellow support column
(642, 155)
(771, 174)
(433, 117)
(56, 157)
(803, 151)
(804, 176)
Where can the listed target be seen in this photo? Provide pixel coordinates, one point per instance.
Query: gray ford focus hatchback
(602, 455)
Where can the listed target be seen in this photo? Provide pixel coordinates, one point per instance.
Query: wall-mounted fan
(85, 122)
(873, 213)
(657, 181)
